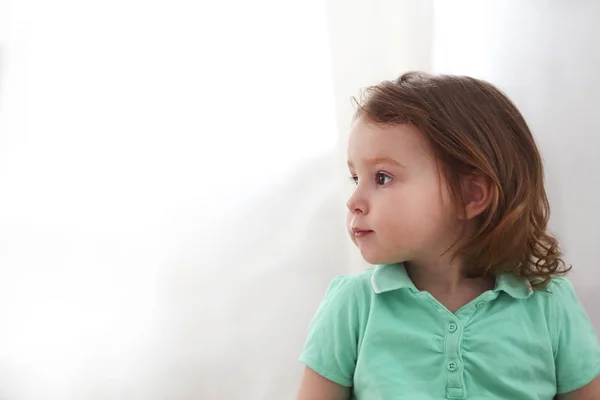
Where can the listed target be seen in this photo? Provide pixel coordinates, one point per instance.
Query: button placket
(453, 365)
(455, 386)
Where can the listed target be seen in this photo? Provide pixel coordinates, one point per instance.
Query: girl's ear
(477, 195)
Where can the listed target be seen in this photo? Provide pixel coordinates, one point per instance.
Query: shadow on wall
(233, 315)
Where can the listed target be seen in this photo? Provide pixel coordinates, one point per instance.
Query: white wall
(153, 163)
(544, 54)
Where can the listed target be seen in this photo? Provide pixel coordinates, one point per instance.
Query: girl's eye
(382, 178)
(354, 179)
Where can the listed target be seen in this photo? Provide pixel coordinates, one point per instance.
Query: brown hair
(473, 127)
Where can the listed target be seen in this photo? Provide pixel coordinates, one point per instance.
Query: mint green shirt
(377, 333)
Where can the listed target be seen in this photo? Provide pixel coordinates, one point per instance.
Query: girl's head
(446, 165)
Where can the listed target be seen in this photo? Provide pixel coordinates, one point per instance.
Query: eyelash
(354, 178)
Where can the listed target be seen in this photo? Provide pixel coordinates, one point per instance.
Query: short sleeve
(331, 346)
(577, 352)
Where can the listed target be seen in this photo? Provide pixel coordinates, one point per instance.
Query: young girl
(466, 300)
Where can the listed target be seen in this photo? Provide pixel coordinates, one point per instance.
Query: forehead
(403, 143)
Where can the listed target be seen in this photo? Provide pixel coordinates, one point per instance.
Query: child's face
(400, 203)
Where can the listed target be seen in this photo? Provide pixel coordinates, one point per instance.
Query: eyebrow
(380, 160)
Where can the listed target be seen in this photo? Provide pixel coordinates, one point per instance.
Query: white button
(452, 327)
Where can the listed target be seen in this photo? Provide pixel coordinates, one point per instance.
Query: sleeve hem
(325, 372)
(580, 382)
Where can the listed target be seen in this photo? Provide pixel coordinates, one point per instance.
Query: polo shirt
(376, 332)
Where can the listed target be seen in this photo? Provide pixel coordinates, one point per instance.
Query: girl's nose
(356, 204)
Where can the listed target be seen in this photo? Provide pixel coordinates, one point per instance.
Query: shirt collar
(388, 277)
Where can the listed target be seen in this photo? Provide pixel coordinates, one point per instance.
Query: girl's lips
(358, 233)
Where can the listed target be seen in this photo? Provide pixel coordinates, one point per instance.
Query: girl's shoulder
(558, 299)
(558, 291)
(355, 287)
(574, 341)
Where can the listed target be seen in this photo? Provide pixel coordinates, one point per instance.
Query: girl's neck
(446, 281)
